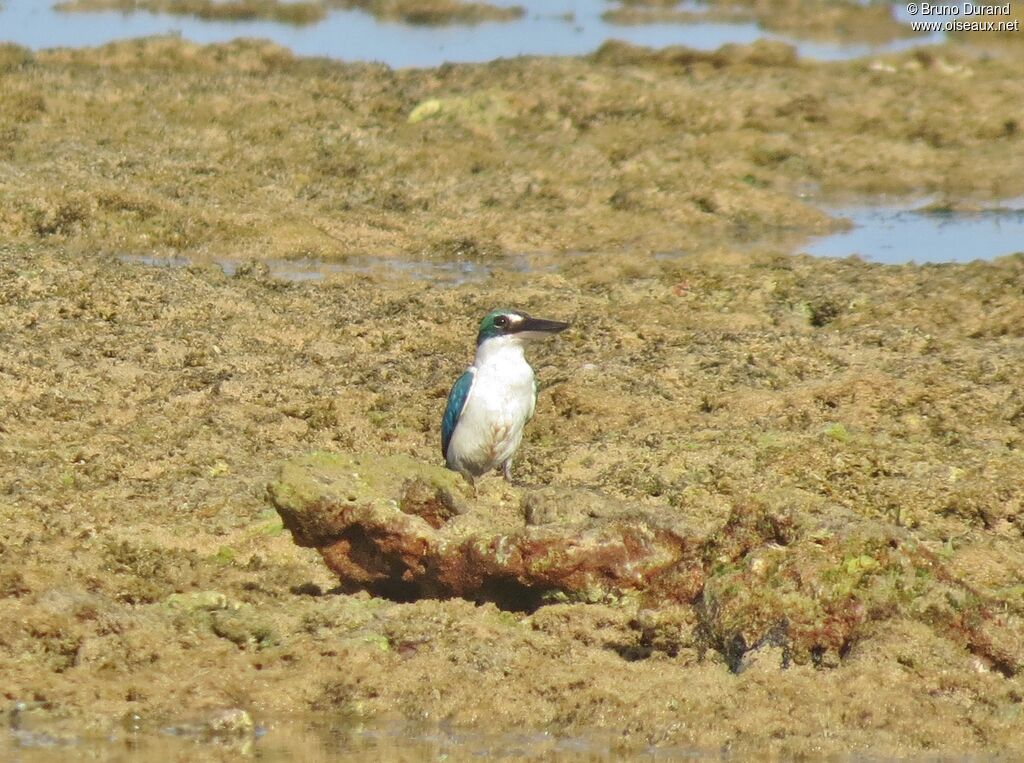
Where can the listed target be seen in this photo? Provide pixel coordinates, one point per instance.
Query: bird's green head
(517, 325)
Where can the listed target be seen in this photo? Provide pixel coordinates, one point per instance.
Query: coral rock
(383, 523)
(800, 585)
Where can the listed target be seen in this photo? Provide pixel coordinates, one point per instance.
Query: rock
(776, 582)
(231, 722)
(817, 586)
(245, 627)
(35, 724)
(200, 600)
(384, 524)
(423, 500)
(233, 727)
(548, 505)
(764, 659)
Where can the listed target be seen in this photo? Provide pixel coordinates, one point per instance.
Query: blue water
(358, 36)
(911, 232)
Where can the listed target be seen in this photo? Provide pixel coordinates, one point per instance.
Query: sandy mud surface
(242, 151)
(431, 12)
(822, 19)
(844, 439)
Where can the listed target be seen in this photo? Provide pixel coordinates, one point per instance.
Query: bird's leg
(506, 470)
(472, 482)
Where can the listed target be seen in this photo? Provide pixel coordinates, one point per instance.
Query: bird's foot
(506, 471)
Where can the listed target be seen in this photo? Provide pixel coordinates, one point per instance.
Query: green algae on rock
(816, 585)
(811, 585)
(380, 540)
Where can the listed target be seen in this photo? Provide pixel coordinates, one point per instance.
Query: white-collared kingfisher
(491, 402)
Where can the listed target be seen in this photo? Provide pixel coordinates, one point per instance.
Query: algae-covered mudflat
(833, 446)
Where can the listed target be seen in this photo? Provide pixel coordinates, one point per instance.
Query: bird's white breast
(500, 403)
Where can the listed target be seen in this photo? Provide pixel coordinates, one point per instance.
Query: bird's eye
(501, 321)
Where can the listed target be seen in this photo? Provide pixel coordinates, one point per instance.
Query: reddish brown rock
(384, 524)
(815, 585)
(770, 583)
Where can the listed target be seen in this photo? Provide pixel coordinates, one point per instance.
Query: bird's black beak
(538, 327)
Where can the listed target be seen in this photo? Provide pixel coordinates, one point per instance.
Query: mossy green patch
(821, 593)
(244, 626)
(837, 432)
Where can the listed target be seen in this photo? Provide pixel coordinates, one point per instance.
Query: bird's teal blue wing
(456, 402)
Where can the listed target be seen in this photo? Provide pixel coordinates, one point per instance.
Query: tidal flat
(300, 12)
(654, 198)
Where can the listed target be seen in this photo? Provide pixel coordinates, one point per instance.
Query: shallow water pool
(324, 739)
(921, 232)
(549, 27)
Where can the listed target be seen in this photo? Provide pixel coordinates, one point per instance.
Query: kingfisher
(489, 405)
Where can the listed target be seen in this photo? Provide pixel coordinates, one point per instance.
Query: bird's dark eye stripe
(501, 320)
